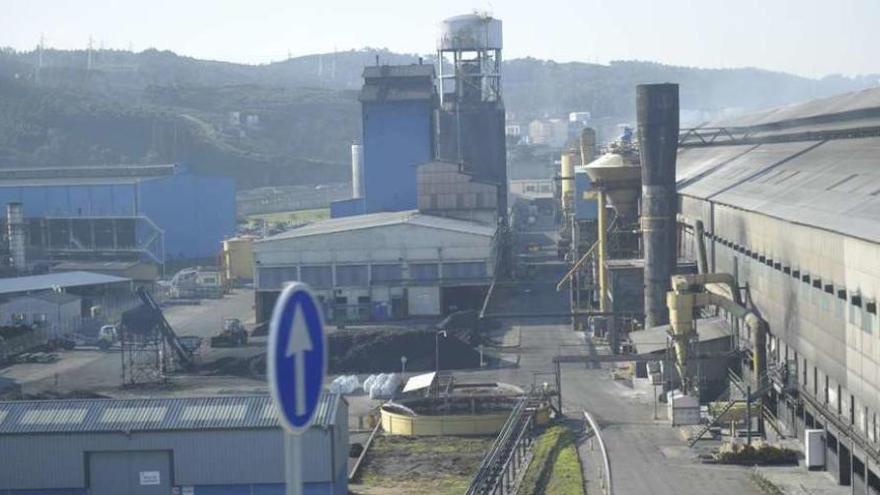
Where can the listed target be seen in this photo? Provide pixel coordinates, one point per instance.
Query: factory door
(129, 472)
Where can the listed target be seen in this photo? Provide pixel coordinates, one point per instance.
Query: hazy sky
(806, 37)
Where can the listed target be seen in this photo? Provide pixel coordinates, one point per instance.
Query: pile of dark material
(374, 350)
(380, 350)
(13, 331)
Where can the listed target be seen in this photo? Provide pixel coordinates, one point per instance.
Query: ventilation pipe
(357, 170)
(694, 291)
(657, 112)
(15, 226)
(587, 145)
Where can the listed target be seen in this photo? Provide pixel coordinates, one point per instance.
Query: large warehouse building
(153, 213)
(199, 446)
(790, 200)
(380, 266)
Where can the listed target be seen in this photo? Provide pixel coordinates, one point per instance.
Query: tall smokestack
(357, 170)
(15, 226)
(657, 111)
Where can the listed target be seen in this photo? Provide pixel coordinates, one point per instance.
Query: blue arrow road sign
(297, 357)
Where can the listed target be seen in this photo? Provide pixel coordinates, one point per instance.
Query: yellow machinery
(710, 289)
(238, 258)
(567, 178)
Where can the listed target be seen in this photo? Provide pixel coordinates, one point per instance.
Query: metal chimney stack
(15, 226)
(657, 112)
(357, 170)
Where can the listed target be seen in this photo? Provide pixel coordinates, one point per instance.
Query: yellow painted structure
(455, 424)
(567, 178)
(602, 227)
(238, 258)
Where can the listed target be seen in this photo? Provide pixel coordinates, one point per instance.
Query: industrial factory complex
(691, 309)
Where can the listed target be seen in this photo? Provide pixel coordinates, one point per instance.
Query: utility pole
(437, 350)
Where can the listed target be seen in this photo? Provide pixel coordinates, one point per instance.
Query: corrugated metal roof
(858, 101)
(154, 414)
(53, 280)
(52, 297)
(374, 220)
(833, 185)
(654, 339)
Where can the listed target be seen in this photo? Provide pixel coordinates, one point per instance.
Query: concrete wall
(478, 424)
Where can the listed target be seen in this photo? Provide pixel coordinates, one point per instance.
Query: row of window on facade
(22, 318)
(862, 313)
(832, 396)
(323, 276)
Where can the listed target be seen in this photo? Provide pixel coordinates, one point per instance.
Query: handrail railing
(499, 465)
(607, 481)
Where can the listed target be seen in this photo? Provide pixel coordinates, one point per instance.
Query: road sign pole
(296, 364)
(293, 463)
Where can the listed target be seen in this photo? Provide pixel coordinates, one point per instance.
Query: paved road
(647, 457)
(96, 370)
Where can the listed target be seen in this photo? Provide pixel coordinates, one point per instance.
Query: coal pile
(379, 350)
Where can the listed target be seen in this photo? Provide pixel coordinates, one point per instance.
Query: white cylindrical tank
(470, 32)
(15, 229)
(357, 170)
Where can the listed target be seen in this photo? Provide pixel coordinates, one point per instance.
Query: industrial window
(351, 276)
(18, 318)
(796, 274)
(817, 283)
(464, 270)
(387, 272)
(318, 276)
(871, 307)
(777, 265)
(424, 271)
(786, 270)
(829, 288)
(806, 278)
(273, 278)
(867, 322)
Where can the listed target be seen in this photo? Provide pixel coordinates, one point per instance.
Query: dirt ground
(397, 465)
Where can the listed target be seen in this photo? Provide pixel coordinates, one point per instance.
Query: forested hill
(292, 121)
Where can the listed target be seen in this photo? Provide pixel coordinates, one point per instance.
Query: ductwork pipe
(693, 291)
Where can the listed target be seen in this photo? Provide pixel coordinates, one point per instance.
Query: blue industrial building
(191, 213)
(223, 445)
(398, 103)
(585, 206)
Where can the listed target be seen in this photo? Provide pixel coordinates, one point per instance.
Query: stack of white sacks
(345, 385)
(383, 385)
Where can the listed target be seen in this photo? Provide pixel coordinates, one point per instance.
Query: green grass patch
(555, 468)
(299, 216)
(399, 465)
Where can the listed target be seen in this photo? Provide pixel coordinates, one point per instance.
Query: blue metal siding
(57, 491)
(72, 200)
(347, 208)
(196, 212)
(398, 136)
(585, 209)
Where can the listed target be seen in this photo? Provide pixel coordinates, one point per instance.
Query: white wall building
(380, 266)
(56, 312)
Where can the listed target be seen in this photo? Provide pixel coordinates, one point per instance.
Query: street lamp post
(437, 350)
